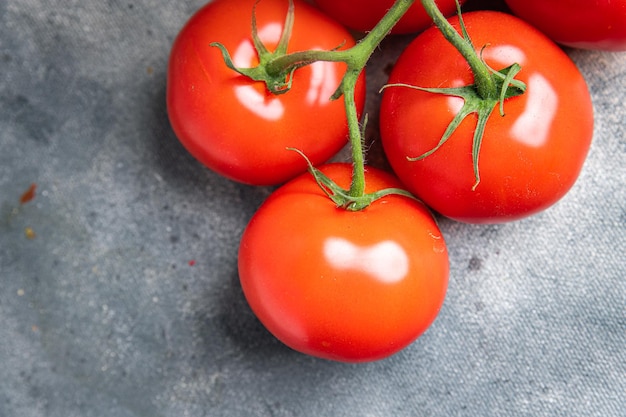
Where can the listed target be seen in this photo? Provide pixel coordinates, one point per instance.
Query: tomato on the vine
(344, 285)
(235, 126)
(363, 15)
(529, 158)
(578, 23)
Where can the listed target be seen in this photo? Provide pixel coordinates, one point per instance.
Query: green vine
(276, 69)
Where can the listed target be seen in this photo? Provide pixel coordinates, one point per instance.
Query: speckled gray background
(126, 302)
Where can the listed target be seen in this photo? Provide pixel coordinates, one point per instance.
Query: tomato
(599, 24)
(363, 15)
(350, 286)
(234, 125)
(528, 159)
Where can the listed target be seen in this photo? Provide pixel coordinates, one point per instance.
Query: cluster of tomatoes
(361, 284)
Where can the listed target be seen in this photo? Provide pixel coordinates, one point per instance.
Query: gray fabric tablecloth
(119, 293)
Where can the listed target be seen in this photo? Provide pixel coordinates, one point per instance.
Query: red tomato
(529, 158)
(363, 15)
(344, 285)
(234, 125)
(600, 24)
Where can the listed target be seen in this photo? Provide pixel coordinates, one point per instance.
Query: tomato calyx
(474, 103)
(277, 82)
(490, 88)
(276, 68)
(343, 198)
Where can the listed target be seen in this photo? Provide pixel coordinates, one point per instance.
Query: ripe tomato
(363, 15)
(529, 158)
(344, 285)
(234, 125)
(600, 24)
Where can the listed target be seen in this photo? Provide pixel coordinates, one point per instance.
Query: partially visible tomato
(343, 285)
(363, 15)
(528, 159)
(234, 125)
(599, 24)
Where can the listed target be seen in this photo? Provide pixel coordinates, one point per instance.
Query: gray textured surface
(103, 312)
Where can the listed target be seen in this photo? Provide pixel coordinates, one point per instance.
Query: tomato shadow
(242, 327)
(170, 160)
(183, 175)
(497, 5)
(232, 328)
(255, 348)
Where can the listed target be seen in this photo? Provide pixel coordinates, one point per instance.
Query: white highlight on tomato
(532, 128)
(257, 103)
(386, 262)
(322, 82)
(508, 54)
(263, 105)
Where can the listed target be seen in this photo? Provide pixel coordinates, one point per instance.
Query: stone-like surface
(119, 292)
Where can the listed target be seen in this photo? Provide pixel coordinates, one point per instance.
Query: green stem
(355, 58)
(357, 186)
(483, 80)
(366, 47)
(356, 61)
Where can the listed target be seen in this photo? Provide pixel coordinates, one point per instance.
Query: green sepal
(276, 83)
(509, 86)
(473, 103)
(341, 197)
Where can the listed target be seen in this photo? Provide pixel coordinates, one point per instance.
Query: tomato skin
(363, 15)
(234, 125)
(341, 285)
(529, 158)
(600, 24)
